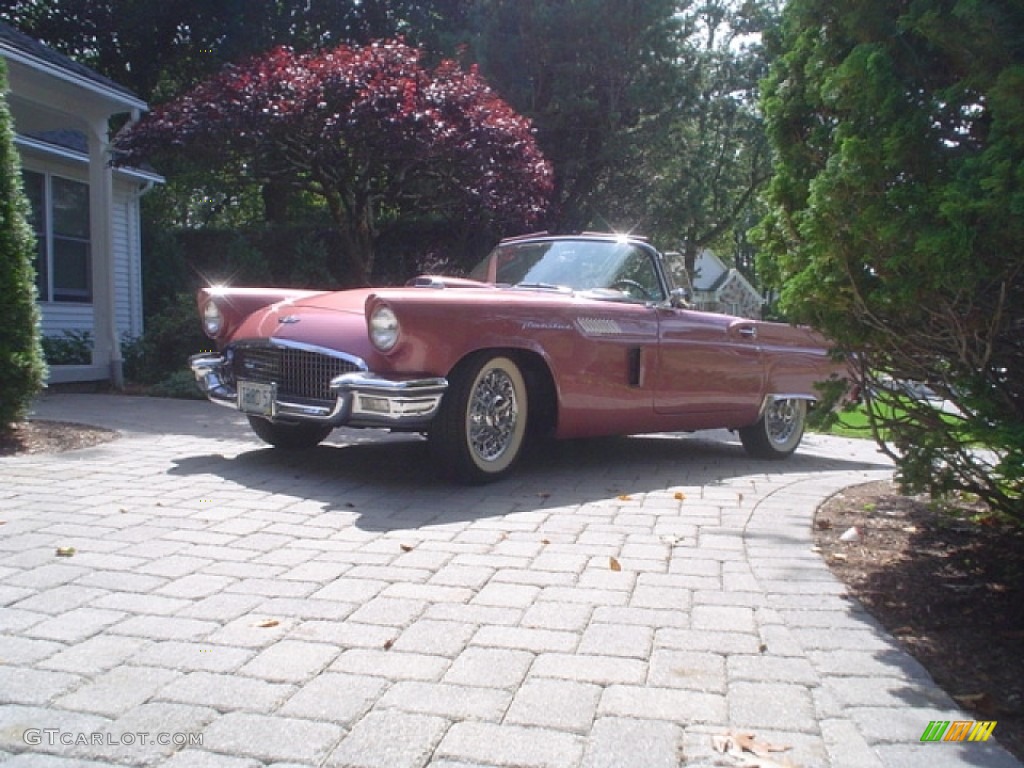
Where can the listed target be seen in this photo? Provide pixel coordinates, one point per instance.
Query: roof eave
(121, 98)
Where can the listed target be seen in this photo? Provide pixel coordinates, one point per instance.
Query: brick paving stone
(272, 738)
(474, 614)
(290, 661)
(192, 657)
(23, 650)
(506, 595)
(391, 664)
(148, 733)
(252, 630)
(390, 611)
(16, 721)
(164, 628)
(673, 704)
(226, 692)
(771, 668)
(617, 640)
(435, 638)
(706, 640)
(693, 670)
(559, 704)
(194, 586)
(222, 608)
(602, 670)
(95, 655)
(571, 617)
(115, 692)
(61, 599)
(194, 758)
(455, 702)
(536, 640)
(389, 738)
(337, 698)
(489, 667)
(33, 686)
(780, 706)
(510, 745)
(346, 634)
(76, 625)
(616, 742)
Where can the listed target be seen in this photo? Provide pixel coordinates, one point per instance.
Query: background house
(86, 213)
(718, 288)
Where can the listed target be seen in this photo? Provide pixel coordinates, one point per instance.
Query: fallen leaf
(65, 551)
(614, 564)
(407, 548)
(762, 648)
(679, 496)
(740, 499)
(625, 497)
(388, 644)
(545, 541)
(267, 623)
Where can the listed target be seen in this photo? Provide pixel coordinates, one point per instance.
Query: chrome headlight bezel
(384, 328)
(213, 320)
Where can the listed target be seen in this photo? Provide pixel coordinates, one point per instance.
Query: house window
(60, 218)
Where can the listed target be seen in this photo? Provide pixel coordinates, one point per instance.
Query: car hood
(334, 321)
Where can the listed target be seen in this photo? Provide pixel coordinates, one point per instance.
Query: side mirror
(680, 298)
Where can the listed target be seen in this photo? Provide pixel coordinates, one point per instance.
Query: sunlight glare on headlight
(383, 328)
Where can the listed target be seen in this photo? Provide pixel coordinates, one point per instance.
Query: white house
(717, 288)
(85, 212)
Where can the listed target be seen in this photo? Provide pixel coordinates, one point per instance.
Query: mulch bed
(949, 585)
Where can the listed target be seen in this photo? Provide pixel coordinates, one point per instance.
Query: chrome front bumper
(361, 399)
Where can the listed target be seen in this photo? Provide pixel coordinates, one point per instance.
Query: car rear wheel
(289, 437)
(779, 430)
(480, 429)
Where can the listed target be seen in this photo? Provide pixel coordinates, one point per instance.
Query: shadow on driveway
(391, 482)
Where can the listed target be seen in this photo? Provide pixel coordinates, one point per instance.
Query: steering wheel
(629, 284)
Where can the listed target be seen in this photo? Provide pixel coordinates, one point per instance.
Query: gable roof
(18, 46)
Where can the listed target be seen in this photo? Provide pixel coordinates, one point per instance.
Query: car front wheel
(778, 432)
(480, 429)
(289, 437)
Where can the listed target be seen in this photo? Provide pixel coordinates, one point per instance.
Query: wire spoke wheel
(493, 415)
(779, 430)
(480, 429)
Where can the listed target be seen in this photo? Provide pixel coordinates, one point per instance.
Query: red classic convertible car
(570, 336)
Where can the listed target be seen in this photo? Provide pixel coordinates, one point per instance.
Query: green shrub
(22, 366)
(171, 336)
(73, 348)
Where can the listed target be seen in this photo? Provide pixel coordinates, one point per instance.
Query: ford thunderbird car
(568, 336)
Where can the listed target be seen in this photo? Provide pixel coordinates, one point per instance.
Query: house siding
(60, 316)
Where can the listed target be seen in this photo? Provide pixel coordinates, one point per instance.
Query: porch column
(107, 349)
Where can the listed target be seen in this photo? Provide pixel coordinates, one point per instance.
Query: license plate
(256, 397)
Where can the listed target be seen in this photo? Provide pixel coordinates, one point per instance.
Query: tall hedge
(22, 368)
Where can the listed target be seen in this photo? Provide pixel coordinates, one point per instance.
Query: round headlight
(383, 328)
(213, 320)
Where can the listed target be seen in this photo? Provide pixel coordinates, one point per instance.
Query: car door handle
(748, 332)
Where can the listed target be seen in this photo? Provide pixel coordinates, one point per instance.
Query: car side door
(708, 364)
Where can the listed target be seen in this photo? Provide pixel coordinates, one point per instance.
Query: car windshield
(606, 269)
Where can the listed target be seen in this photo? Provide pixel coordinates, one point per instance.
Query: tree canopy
(897, 221)
(364, 128)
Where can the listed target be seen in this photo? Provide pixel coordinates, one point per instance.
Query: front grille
(297, 372)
